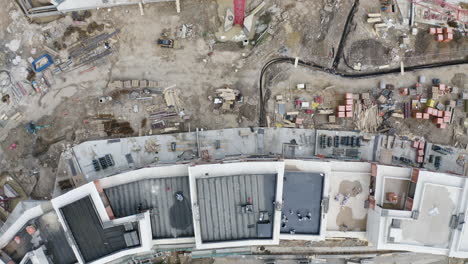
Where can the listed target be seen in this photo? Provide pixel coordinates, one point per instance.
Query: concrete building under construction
(256, 201)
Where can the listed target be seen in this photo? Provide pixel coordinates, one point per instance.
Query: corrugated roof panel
(170, 218)
(222, 203)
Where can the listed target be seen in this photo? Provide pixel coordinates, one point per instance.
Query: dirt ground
(195, 67)
(373, 48)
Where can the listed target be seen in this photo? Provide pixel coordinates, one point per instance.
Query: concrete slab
(350, 216)
(432, 227)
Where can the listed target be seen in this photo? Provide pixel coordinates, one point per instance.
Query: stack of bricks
(347, 109)
(419, 115)
(440, 90)
(448, 34)
(441, 118)
(419, 146)
(442, 34)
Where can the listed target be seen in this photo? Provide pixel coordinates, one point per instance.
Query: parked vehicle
(166, 43)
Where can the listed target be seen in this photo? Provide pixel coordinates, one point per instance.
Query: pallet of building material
(407, 110)
(227, 94)
(127, 84)
(419, 90)
(16, 92)
(158, 124)
(352, 153)
(153, 108)
(325, 111)
(227, 105)
(367, 102)
(100, 127)
(338, 152)
(115, 84)
(89, 44)
(135, 83)
(368, 119)
(94, 57)
(162, 114)
(153, 84)
(48, 77)
(171, 96)
(62, 67)
(103, 116)
(143, 83)
(374, 20)
(16, 116)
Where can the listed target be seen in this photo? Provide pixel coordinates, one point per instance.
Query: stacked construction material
(407, 109)
(442, 34)
(442, 118)
(440, 90)
(347, 109)
(419, 146)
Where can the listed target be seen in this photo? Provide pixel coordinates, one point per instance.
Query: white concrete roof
(437, 197)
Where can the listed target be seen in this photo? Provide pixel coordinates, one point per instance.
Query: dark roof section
(223, 201)
(302, 193)
(51, 235)
(17, 251)
(54, 239)
(93, 241)
(170, 218)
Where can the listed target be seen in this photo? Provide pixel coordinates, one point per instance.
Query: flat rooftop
(349, 189)
(432, 228)
(236, 207)
(170, 218)
(94, 241)
(302, 196)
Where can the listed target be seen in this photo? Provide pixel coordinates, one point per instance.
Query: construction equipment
(166, 43)
(32, 128)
